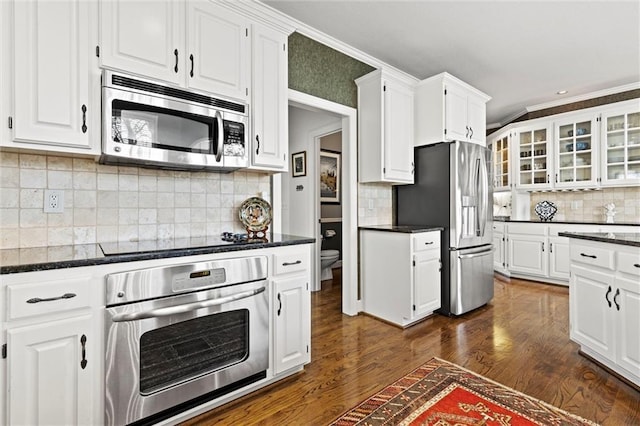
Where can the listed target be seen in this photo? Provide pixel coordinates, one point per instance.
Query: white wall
(298, 205)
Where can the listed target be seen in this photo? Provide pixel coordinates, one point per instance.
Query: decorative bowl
(545, 210)
(581, 146)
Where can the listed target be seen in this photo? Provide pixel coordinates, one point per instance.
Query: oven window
(153, 127)
(189, 349)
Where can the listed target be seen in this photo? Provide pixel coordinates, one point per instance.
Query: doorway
(296, 199)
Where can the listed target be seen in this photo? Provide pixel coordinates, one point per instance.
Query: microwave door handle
(220, 136)
(187, 307)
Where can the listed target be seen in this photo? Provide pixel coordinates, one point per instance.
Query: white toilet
(327, 259)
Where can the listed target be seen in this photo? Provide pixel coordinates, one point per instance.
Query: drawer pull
(606, 296)
(50, 299)
(637, 265)
(297, 262)
(591, 256)
(428, 243)
(615, 299)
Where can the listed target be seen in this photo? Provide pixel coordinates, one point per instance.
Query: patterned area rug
(444, 394)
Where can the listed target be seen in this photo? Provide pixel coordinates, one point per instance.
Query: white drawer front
(629, 263)
(25, 300)
(285, 263)
(426, 241)
(594, 256)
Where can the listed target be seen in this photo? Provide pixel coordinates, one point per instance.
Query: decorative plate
(545, 210)
(255, 214)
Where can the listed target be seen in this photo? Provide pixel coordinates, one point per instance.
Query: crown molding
(258, 7)
(585, 97)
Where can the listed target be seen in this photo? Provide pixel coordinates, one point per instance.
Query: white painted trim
(585, 97)
(350, 303)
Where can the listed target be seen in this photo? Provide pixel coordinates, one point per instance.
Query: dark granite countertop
(503, 219)
(408, 229)
(58, 257)
(622, 238)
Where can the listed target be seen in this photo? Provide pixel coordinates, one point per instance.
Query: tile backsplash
(375, 205)
(114, 203)
(588, 206)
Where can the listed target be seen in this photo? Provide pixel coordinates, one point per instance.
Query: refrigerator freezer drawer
(471, 278)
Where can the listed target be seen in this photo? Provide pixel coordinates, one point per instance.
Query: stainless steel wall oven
(177, 336)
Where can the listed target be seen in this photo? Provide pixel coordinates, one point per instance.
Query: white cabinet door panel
(476, 119)
(47, 385)
(627, 298)
(426, 290)
(144, 37)
(218, 42)
(559, 258)
(526, 254)
(456, 114)
(292, 323)
(51, 72)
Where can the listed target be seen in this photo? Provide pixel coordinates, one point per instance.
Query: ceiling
(519, 52)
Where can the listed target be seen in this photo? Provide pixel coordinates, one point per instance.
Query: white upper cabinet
(533, 159)
(218, 50)
(195, 44)
(500, 155)
(269, 112)
(385, 124)
(53, 75)
(576, 139)
(448, 109)
(144, 37)
(620, 140)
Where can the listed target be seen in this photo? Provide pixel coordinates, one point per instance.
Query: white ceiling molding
(327, 40)
(585, 97)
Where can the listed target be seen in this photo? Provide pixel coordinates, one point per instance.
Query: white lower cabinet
(527, 254)
(604, 304)
(559, 257)
(50, 373)
(400, 275)
(291, 308)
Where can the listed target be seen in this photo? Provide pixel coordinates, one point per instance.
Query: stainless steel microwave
(155, 125)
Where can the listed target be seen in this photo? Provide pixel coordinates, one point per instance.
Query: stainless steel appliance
(452, 190)
(180, 335)
(153, 124)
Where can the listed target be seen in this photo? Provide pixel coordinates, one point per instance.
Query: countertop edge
(563, 222)
(599, 238)
(105, 260)
(405, 229)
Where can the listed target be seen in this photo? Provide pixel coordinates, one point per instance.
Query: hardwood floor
(521, 339)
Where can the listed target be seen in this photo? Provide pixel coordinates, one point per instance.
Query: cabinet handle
(83, 342)
(175, 52)
(550, 247)
(543, 247)
(556, 178)
(467, 134)
(471, 130)
(591, 256)
(606, 296)
(297, 262)
(84, 119)
(615, 299)
(413, 167)
(258, 146)
(547, 178)
(637, 265)
(428, 243)
(280, 304)
(191, 59)
(51, 299)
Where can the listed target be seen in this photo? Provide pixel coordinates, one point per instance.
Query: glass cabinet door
(621, 148)
(575, 149)
(533, 157)
(501, 162)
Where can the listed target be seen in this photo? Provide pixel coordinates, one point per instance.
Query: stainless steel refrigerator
(452, 189)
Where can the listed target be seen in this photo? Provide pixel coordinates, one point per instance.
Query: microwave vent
(119, 80)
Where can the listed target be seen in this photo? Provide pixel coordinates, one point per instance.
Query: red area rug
(443, 394)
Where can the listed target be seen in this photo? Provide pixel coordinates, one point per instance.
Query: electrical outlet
(53, 201)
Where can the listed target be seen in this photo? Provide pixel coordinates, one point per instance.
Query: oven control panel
(199, 279)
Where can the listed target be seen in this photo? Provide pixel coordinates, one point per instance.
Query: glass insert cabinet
(621, 147)
(533, 157)
(500, 152)
(575, 148)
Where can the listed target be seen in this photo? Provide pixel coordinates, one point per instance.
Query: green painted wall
(321, 71)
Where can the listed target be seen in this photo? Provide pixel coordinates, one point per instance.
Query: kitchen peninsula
(604, 300)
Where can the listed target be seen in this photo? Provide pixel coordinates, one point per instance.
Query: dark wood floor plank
(521, 339)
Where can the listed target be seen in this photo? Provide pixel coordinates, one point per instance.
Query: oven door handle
(187, 307)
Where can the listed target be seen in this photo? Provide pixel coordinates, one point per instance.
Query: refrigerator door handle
(482, 182)
(477, 254)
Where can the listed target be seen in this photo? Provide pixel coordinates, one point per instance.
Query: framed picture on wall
(329, 176)
(299, 164)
